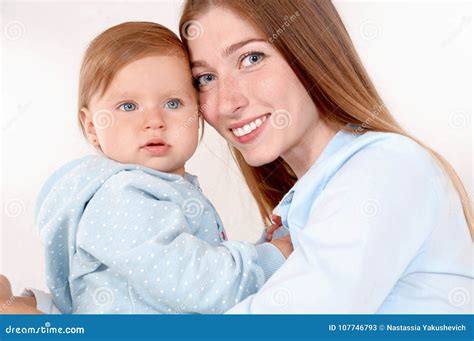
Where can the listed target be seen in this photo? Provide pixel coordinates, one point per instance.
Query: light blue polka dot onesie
(123, 238)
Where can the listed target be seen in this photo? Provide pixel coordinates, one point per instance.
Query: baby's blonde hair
(117, 47)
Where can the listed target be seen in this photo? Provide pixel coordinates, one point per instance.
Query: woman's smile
(248, 130)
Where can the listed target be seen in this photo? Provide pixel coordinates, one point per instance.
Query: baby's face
(148, 115)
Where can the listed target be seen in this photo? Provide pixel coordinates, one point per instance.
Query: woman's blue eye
(252, 58)
(204, 79)
(173, 104)
(128, 107)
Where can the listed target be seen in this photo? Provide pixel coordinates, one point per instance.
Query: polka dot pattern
(128, 239)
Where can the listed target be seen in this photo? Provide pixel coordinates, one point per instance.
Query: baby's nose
(154, 121)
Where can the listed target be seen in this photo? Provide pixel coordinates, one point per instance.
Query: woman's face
(247, 90)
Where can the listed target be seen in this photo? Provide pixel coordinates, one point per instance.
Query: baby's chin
(161, 164)
(164, 166)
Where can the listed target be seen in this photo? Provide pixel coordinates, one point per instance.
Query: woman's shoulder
(391, 141)
(394, 167)
(372, 159)
(393, 151)
(384, 162)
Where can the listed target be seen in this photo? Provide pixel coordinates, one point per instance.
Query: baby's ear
(87, 121)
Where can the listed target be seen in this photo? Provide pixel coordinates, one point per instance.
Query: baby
(129, 231)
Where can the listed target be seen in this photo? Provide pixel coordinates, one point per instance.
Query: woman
(380, 223)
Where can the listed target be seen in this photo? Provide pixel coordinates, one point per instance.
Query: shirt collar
(340, 139)
(193, 179)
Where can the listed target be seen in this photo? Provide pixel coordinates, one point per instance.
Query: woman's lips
(157, 149)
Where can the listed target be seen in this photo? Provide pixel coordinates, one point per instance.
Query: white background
(417, 53)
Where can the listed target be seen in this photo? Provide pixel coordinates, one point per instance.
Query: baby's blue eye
(204, 79)
(173, 104)
(128, 107)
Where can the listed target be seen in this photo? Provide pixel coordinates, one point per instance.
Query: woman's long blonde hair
(312, 38)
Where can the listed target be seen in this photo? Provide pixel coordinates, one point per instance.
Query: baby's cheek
(189, 140)
(115, 140)
(185, 123)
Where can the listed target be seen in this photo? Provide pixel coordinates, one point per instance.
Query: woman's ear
(88, 123)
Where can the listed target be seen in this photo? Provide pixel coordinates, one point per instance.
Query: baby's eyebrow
(112, 96)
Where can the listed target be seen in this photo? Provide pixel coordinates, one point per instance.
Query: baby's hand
(276, 225)
(284, 245)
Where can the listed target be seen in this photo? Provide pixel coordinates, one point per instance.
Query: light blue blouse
(377, 228)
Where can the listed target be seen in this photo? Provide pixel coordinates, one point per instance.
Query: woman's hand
(10, 304)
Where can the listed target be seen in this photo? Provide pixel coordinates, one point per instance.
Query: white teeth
(248, 128)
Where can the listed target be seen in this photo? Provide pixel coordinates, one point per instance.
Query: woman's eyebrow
(227, 51)
(198, 63)
(234, 47)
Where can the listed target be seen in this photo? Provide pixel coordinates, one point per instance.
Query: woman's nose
(231, 99)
